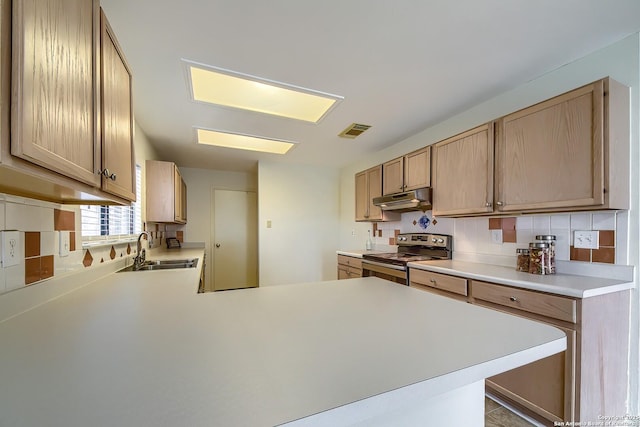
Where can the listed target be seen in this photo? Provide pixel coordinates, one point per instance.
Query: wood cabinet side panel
(617, 144)
(55, 92)
(362, 196)
(604, 355)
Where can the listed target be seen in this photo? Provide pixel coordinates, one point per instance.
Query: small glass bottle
(538, 254)
(522, 263)
(369, 243)
(551, 259)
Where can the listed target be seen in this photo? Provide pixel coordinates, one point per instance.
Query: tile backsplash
(474, 235)
(41, 226)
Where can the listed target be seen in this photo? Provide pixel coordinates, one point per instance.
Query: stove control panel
(424, 239)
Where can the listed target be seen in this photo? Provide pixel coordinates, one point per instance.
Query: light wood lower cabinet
(441, 284)
(584, 382)
(349, 267)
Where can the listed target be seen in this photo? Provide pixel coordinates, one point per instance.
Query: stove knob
(440, 240)
(434, 240)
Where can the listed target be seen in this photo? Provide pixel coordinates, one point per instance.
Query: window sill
(99, 243)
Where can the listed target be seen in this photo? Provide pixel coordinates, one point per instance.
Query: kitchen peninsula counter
(143, 348)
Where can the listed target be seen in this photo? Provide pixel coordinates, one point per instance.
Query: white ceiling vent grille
(353, 130)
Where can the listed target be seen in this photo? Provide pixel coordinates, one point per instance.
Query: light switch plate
(11, 248)
(586, 239)
(496, 237)
(65, 243)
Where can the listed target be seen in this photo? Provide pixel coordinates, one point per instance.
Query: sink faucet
(138, 261)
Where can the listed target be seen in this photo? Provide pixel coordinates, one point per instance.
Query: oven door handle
(382, 264)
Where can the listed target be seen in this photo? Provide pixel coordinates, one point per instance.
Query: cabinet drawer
(350, 261)
(443, 282)
(553, 306)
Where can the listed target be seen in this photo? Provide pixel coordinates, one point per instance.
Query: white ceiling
(400, 65)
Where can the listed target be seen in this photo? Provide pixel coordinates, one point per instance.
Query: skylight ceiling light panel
(223, 87)
(243, 142)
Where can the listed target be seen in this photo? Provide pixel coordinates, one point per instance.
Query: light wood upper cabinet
(417, 169)
(117, 118)
(369, 185)
(463, 173)
(55, 109)
(393, 176)
(407, 172)
(51, 116)
(165, 193)
(568, 152)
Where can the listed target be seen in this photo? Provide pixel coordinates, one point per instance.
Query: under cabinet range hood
(413, 200)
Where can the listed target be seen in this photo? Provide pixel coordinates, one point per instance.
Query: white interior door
(235, 240)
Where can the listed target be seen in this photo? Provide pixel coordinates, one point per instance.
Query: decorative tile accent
(88, 259)
(606, 255)
(509, 224)
(607, 238)
(379, 233)
(101, 260)
(128, 249)
(495, 223)
(72, 241)
(396, 233)
(509, 236)
(392, 240)
(64, 220)
(46, 267)
(434, 221)
(31, 270)
(31, 244)
(112, 254)
(580, 254)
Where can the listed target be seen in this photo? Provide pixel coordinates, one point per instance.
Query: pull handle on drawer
(513, 299)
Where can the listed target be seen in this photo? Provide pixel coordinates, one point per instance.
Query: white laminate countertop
(143, 348)
(357, 253)
(561, 284)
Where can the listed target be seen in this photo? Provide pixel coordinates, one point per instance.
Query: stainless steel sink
(163, 264)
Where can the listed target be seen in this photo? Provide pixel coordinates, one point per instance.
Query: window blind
(113, 222)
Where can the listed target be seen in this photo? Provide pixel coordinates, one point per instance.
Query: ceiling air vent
(353, 130)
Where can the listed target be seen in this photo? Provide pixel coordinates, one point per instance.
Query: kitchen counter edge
(560, 284)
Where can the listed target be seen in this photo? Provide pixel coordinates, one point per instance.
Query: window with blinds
(113, 222)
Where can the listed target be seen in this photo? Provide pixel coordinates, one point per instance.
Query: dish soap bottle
(369, 244)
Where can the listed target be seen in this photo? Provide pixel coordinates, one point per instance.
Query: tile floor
(496, 415)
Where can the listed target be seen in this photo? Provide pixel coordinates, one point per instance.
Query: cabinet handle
(514, 299)
(104, 172)
(217, 245)
(433, 281)
(500, 203)
(488, 205)
(112, 177)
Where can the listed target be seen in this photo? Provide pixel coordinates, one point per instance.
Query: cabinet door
(117, 118)
(551, 154)
(463, 173)
(55, 98)
(393, 176)
(417, 169)
(362, 196)
(374, 184)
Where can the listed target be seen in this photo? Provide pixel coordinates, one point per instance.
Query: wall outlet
(496, 237)
(65, 243)
(11, 248)
(586, 239)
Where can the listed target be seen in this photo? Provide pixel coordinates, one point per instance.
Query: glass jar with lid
(538, 257)
(522, 262)
(551, 259)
